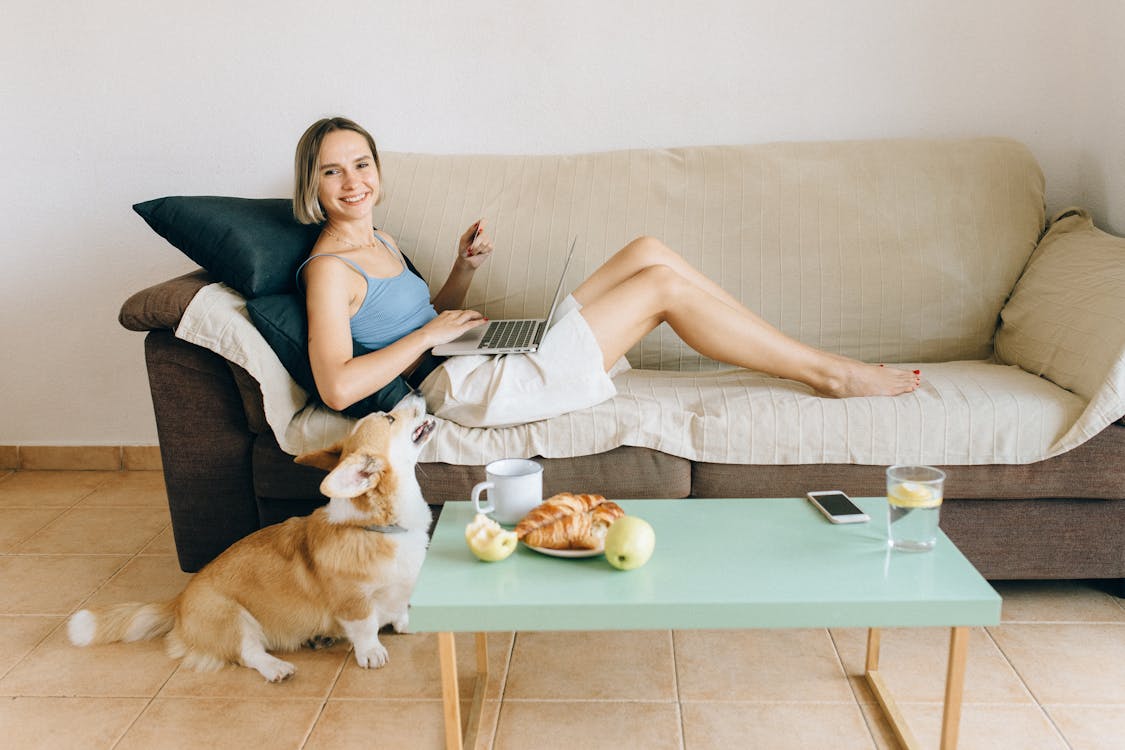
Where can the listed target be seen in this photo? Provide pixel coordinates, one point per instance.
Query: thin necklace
(353, 245)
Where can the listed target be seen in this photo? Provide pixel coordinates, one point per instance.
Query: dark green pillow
(252, 244)
(281, 319)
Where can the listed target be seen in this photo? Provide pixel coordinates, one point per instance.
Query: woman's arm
(473, 249)
(342, 379)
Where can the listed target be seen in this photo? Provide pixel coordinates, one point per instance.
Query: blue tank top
(392, 307)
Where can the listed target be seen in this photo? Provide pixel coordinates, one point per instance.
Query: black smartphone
(837, 507)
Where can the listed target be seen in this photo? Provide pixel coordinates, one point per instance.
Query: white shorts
(564, 375)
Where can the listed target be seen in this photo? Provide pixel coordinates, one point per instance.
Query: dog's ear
(326, 459)
(354, 475)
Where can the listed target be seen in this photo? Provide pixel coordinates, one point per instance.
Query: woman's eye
(390, 419)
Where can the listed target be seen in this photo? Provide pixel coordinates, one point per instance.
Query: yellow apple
(629, 543)
(489, 540)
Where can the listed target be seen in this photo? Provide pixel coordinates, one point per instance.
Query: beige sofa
(920, 254)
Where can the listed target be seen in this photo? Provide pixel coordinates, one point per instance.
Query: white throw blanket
(969, 412)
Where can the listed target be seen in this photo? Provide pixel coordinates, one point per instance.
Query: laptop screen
(559, 287)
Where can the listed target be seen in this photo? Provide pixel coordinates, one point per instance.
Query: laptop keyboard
(502, 334)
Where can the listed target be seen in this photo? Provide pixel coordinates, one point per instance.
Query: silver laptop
(513, 336)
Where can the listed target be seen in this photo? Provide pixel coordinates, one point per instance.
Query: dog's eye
(390, 419)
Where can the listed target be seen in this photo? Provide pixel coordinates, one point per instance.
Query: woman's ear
(353, 476)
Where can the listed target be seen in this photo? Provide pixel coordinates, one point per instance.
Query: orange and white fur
(347, 569)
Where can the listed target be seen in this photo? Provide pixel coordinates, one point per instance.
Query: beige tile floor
(1051, 676)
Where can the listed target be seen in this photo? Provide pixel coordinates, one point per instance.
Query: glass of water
(914, 495)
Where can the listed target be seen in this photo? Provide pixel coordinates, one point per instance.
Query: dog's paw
(372, 657)
(277, 670)
(401, 625)
(320, 641)
(284, 671)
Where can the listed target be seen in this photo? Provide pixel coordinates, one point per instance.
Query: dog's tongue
(424, 430)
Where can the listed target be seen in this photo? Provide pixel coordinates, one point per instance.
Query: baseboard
(80, 457)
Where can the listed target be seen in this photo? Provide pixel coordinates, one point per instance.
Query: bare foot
(853, 378)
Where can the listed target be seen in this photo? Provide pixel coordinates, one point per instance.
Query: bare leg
(643, 253)
(646, 284)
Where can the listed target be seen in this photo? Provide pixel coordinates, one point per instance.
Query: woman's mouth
(353, 200)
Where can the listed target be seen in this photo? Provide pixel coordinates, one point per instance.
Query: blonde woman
(360, 291)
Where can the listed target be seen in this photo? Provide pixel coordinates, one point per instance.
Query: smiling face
(349, 182)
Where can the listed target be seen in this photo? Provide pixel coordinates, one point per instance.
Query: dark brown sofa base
(226, 477)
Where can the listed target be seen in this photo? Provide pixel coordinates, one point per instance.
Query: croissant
(569, 521)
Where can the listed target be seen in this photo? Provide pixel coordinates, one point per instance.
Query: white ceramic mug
(514, 486)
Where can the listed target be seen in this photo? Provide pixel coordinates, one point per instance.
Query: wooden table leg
(451, 694)
(472, 729)
(872, 662)
(883, 694)
(954, 687)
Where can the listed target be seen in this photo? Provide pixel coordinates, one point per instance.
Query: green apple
(488, 540)
(629, 542)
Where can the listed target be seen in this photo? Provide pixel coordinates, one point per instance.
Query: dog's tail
(131, 621)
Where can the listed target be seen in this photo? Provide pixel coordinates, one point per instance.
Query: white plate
(566, 552)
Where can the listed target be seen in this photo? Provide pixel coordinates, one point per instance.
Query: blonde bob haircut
(306, 165)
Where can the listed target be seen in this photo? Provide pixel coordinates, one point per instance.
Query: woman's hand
(450, 324)
(473, 250)
(474, 247)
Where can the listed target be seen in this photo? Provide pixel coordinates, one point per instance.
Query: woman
(358, 289)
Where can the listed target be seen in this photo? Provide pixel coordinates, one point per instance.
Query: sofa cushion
(1093, 470)
(620, 473)
(252, 244)
(964, 413)
(1065, 319)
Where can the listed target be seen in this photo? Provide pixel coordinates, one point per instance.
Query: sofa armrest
(205, 446)
(161, 306)
(1065, 319)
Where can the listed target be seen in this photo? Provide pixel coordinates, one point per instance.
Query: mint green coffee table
(719, 563)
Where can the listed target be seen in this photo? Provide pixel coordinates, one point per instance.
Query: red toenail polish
(917, 372)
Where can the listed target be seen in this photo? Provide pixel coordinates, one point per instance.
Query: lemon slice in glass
(913, 495)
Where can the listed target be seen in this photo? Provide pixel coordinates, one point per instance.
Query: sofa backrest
(888, 251)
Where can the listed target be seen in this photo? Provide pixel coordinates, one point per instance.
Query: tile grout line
(23, 540)
(65, 617)
(1038, 703)
(64, 458)
(315, 721)
(67, 511)
(148, 705)
(327, 697)
(676, 691)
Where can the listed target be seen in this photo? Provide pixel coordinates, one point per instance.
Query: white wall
(105, 104)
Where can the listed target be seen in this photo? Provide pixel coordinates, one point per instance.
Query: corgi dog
(346, 570)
